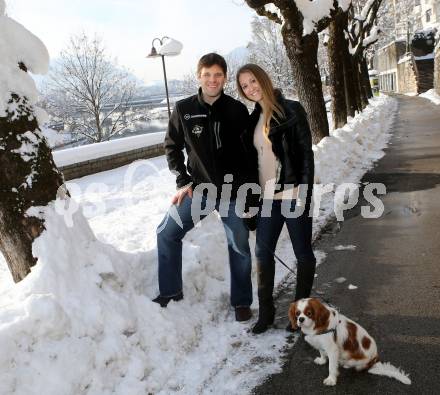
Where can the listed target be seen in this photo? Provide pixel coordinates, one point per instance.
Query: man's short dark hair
(211, 59)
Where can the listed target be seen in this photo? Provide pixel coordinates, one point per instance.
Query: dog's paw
(330, 380)
(320, 360)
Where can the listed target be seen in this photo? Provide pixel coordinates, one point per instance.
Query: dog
(340, 340)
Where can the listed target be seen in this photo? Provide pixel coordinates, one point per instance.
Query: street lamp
(168, 47)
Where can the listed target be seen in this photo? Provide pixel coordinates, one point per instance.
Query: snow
(404, 59)
(313, 12)
(425, 57)
(173, 100)
(53, 137)
(29, 146)
(98, 150)
(344, 248)
(170, 47)
(372, 37)
(431, 95)
(25, 48)
(82, 322)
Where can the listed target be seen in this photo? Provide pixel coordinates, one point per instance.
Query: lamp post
(168, 47)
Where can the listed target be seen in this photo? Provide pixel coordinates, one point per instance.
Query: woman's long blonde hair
(270, 104)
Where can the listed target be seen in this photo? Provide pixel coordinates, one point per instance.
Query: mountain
(239, 54)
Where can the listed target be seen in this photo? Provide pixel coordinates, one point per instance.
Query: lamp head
(153, 53)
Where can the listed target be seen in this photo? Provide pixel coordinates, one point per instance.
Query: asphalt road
(396, 267)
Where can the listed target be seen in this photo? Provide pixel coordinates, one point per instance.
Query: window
(428, 15)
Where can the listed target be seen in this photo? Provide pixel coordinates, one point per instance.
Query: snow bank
(431, 95)
(98, 150)
(349, 152)
(82, 322)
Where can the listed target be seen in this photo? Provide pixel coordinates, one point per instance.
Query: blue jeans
(169, 246)
(300, 232)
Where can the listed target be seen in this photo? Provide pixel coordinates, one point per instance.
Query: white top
(267, 165)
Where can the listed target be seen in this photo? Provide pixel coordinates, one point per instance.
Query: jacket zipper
(214, 156)
(217, 134)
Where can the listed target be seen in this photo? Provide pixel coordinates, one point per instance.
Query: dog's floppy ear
(322, 314)
(292, 315)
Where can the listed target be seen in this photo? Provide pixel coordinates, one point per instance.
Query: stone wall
(110, 162)
(407, 81)
(386, 58)
(437, 70)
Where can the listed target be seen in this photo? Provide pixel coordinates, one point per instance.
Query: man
(209, 127)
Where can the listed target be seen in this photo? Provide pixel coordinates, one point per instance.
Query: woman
(280, 146)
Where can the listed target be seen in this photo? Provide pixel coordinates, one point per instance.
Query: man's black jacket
(291, 143)
(211, 136)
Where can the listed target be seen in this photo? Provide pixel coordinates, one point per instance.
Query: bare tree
(89, 92)
(268, 51)
(234, 64)
(190, 84)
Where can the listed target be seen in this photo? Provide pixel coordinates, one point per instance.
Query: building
(413, 15)
(406, 65)
(427, 14)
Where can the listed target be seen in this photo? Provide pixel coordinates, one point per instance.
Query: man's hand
(181, 193)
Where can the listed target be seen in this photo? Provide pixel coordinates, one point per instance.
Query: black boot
(164, 300)
(305, 275)
(266, 310)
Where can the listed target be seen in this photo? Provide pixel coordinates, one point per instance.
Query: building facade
(413, 15)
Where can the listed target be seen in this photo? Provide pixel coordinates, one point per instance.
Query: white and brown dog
(341, 340)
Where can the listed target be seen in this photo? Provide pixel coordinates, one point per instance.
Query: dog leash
(276, 256)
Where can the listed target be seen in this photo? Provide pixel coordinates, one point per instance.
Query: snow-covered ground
(431, 95)
(83, 322)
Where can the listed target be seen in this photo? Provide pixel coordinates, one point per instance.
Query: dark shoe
(164, 300)
(243, 313)
(266, 316)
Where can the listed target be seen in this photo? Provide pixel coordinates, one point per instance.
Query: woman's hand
(181, 193)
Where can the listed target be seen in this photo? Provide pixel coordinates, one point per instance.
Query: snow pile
(85, 315)
(170, 47)
(83, 322)
(315, 10)
(431, 95)
(349, 152)
(18, 45)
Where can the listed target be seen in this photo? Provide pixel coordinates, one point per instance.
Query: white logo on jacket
(197, 130)
(188, 116)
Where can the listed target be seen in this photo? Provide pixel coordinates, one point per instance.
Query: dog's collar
(333, 330)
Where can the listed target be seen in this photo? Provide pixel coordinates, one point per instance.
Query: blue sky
(128, 27)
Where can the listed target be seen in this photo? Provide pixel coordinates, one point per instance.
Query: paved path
(396, 266)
